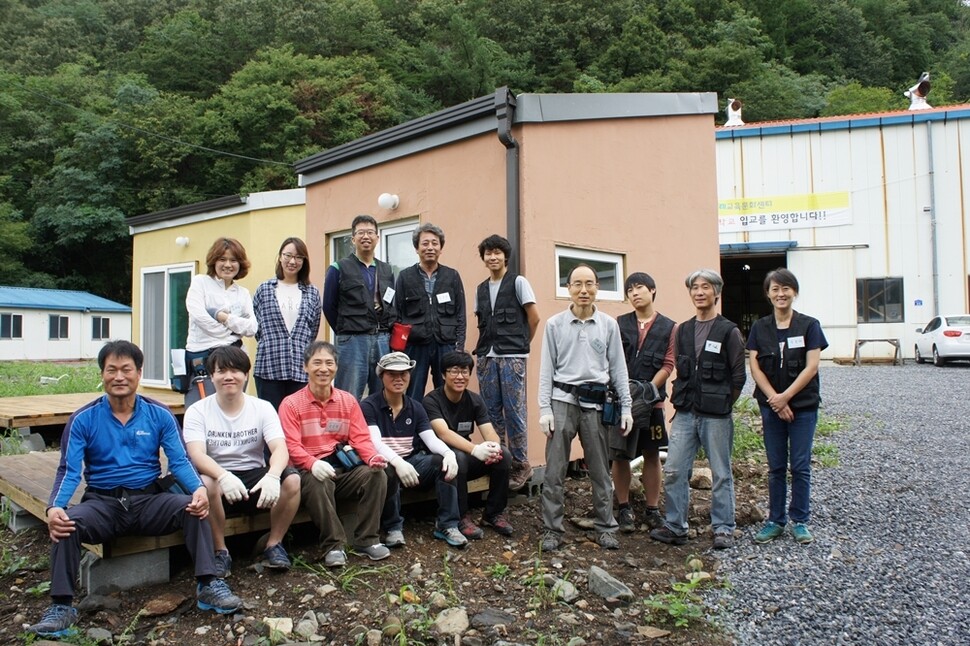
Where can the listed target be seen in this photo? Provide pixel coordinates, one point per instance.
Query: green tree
(854, 98)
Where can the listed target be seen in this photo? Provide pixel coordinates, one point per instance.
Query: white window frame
(63, 327)
(590, 256)
(102, 334)
(14, 317)
(167, 270)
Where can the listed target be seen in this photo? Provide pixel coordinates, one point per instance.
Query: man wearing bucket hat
(401, 432)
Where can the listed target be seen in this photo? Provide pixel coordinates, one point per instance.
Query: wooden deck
(44, 410)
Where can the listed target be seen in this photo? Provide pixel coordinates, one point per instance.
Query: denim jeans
(784, 442)
(502, 384)
(428, 466)
(427, 356)
(357, 362)
(688, 432)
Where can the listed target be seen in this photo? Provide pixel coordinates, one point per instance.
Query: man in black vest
(648, 344)
(358, 302)
(710, 376)
(507, 320)
(431, 299)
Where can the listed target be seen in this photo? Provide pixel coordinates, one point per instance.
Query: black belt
(119, 492)
(595, 394)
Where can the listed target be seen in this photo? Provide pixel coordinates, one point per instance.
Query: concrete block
(18, 518)
(103, 576)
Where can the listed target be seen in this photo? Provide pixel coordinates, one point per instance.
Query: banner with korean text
(784, 212)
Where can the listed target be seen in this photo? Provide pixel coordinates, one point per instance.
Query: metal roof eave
(753, 248)
(216, 204)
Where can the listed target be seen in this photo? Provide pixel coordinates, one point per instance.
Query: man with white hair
(710, 375)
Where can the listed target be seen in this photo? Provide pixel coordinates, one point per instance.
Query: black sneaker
(627, 520)
(276, 558)
(57, 621)
(664, 535)
(652, 519)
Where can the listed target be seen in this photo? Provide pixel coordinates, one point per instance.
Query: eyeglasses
(366, 233)
(589, 284)
(458, 372)
(287, 257)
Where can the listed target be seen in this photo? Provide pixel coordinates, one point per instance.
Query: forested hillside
(112, 108)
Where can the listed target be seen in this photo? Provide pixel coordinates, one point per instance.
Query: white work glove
(482, 452)
(496, 450)
(450, 466)
(269, 488)
(548, 425)
(626, 424)
(233, 488)
(407, 474)
(322, 470)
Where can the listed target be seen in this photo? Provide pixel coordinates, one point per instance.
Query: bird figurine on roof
(917, 93)
(733, 110)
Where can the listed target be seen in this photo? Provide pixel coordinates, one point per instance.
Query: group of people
(312, 438)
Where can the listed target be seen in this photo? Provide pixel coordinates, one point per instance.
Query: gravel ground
(890, 561)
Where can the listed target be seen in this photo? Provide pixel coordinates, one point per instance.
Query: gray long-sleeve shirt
(578, 351)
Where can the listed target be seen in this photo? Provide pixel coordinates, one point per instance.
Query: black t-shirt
(460, 417)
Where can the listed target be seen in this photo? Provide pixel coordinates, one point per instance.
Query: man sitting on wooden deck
(117, 438)
(226, 436)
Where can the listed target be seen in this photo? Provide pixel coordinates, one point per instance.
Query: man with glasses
(430, 298)
(401, 432)
(454, 412)
(359, 304)
(508, 318)
(582, 354)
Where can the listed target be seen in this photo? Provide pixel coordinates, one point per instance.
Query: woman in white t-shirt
(220, 309)
(288, 311)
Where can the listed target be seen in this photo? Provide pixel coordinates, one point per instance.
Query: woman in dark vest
(785, 347)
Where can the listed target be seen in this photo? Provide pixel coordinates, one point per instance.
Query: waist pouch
(587, 393)
(347, 457)
(611, 409)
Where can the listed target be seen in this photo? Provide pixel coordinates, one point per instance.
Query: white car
(944, 338)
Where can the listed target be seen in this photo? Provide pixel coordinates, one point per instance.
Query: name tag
(335, 426)
(796, 342)
(598, 346)
(712, 346)
(464, 427)
(444, 297)
(389, 295)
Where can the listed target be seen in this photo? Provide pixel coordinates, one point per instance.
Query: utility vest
(647, 360)
(357, 306)
(430, 318)
(703, 383)
(782, 370)
(503, 328)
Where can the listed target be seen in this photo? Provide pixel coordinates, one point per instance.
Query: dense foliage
(112, 108)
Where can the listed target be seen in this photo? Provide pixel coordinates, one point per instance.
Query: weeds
(416, 621)
(826, 454)
(498, 570)
(348, 578)
(682, 605)
(542, 596)
(449, 580)
(40, 589)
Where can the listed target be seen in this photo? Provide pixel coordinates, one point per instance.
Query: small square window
(100, 328)
(58, 327)
(608, 267)
(11, 326)
(879, 300)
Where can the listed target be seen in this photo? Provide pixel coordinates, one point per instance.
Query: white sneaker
(394, 538)
(335, 558)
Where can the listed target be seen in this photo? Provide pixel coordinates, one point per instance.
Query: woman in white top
(288, 311)
(220, 309)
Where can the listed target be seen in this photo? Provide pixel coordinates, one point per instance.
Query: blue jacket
(116, 455)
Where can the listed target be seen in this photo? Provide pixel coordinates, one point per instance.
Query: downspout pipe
(505, 113)
(933, 241)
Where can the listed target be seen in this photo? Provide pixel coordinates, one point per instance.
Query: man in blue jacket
(116, 439)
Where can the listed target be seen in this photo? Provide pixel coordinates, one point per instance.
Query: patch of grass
(348, 578)
(18, 378)
(498, 570)
(682, 606)
(828, 426)
(826, 454)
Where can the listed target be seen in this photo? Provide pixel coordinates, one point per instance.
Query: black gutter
(505, 113)
(226, 202)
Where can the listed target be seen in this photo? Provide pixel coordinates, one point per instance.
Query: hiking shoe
(499, 523)
(57, 621)
(394, 538)
(335, 558)
(769, 532)
(723, 541)
(801, 534)
(217, 596)
(452, 536)
(551, 542)
(607, 540)
(519, 475)
(376, 552)
(652, 519)
(276, 558)
(664, 535)
(627, 520)
(468, 528)
(223, 563)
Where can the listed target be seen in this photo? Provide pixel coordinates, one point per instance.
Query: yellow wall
(259, 231)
